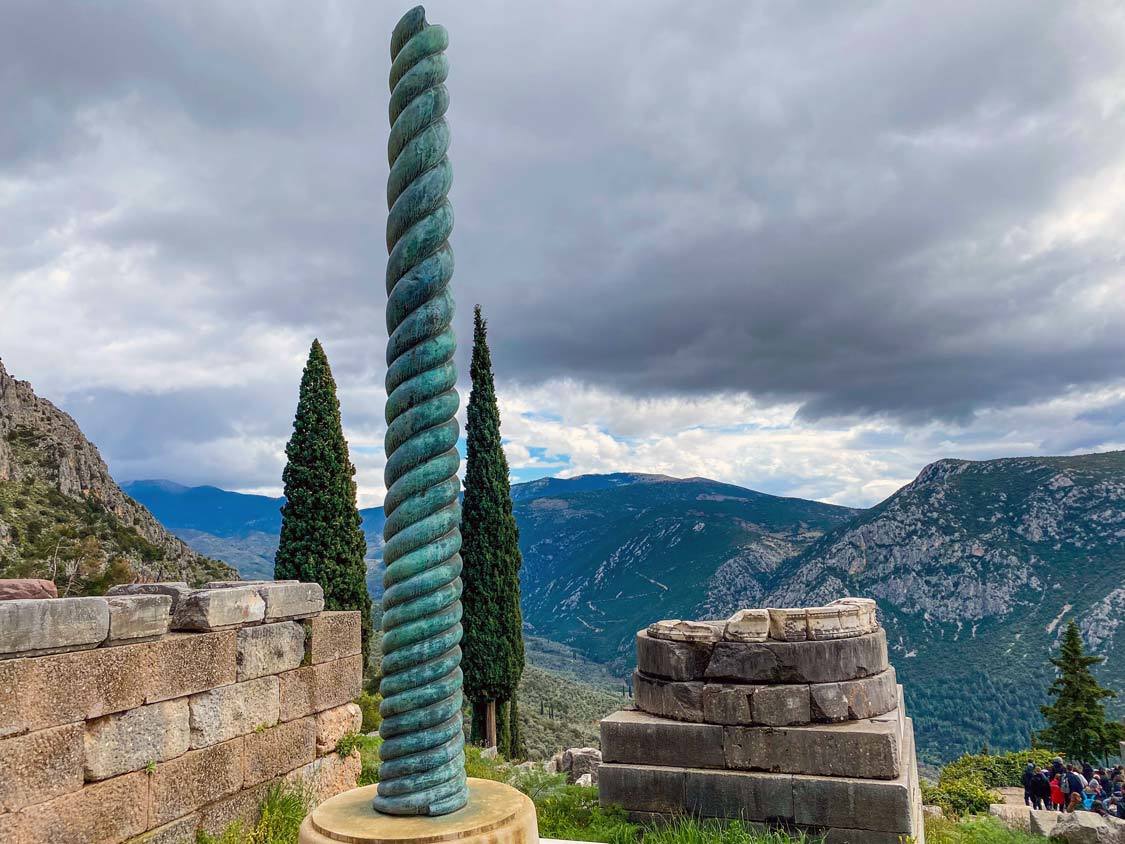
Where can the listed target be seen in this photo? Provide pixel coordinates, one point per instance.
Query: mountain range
(61, 514)
(977, 566)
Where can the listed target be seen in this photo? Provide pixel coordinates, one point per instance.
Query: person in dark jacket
(1040, 790)
(1028, 773)
(1087, 771)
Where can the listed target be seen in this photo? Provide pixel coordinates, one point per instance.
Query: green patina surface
(422, 756)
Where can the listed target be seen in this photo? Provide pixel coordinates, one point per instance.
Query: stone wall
(788, 716)
(160, 710)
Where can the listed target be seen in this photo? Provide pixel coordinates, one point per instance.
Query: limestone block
(270, 649)
(137, 618)
(183, 785)
(789, 625)
(748, 626)
(852, 803)
(129, 741)
(107, 811)
(186, 663)
(176, 590)
(851, 620)
(238, 584)
(333, 724)
(582, 761)
(12, 828)
(779, 706)
(636, 737)
(279, 750)
(314, 688)
(672, 660)
(676, 630)
(855, 699)
(179, 831)
(286, 599)
(40, 766)
(31, 626)
(586, 780)
(826, 623)
(1085, 828)
(329, 775)
(866, 608)
(1040, 821)
(98, 682)
(738, 794)
(1013, 816)
(865, 749)
(827, 661)
(18, 588)
(222, 713)
(332, 635)
(679, 701)
(725, 703)
(643, 788)
(219, 609)
(243, 807)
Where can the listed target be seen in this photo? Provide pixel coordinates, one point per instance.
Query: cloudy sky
(803, 247)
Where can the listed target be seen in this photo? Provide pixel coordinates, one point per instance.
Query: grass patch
(976, 830)
(282, 810)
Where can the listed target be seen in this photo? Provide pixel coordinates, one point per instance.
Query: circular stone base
(496, 814)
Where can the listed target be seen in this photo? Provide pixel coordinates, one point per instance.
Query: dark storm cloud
(838, 204)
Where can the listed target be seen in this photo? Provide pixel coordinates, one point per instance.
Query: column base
(496, 814)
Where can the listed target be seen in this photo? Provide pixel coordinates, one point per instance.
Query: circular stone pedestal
(496, 814)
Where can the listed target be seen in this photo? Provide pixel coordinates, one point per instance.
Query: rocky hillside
(63, 517)
(977, 566)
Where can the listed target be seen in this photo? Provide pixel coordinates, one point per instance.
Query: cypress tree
(493, 640)
(1076, 723)
(321, 538)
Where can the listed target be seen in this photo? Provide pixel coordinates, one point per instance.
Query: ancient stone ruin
(160, 710)
(790, 717)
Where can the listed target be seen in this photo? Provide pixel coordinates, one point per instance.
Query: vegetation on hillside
(321, 539)
(966, 785)
(493, 651)
(78, 544)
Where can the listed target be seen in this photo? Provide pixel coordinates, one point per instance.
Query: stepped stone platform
(789, 717)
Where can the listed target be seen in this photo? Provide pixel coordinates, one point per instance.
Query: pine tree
(321, 538)
(1076, 723)
(493, 639)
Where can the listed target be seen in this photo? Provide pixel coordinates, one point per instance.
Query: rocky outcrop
(43, 445)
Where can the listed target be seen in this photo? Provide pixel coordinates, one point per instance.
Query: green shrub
(997, 770)
(482, 768)
(369, 706)
(282, 810)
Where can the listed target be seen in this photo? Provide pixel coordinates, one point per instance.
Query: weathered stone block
(865, 749)
(333, 724)
(329, 775)
(137, 618)
(672, 660)
(829, 661)
(279, 750)
(270, 649)
(679, 701)
(1042, 821)
(738, 794)
(222, 713)
(129, 741)
(579, 762)
(881, 805)
(107, 811)
(40, 766)
(333, 635)
(866, 612)
(176, 590)
(1012, 815)
(98, 682)
(780, 706)
(186, 663)
(855, 699)
(291, 600)
(636, 737)
(243, 807)
(219, 609)
(748, 626)
(728, 703)
(13, 718)
(182, 785)
(788, 624)
(19, 588)
(676, 630)
(826, 623)
(315, 688)
(180, 831)
(31, 627)
(643, 788)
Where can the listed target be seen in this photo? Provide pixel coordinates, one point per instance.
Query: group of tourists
(1075, 787)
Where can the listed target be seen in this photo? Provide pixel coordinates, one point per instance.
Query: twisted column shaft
(423, 760)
